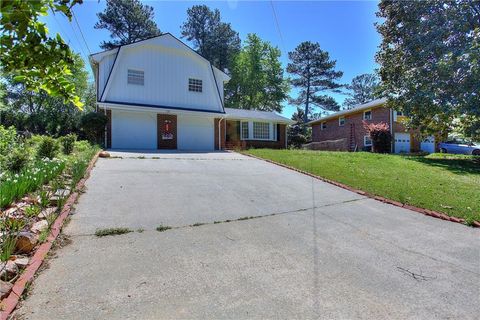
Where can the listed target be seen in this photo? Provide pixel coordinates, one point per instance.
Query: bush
(380, 135)
(93, 124)
(47, 148)
(68, 142)
(17, 160)
(297, 140)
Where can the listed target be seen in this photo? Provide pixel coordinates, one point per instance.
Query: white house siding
(105, 66)
(195, 133)
(166, 74)
(134, 130)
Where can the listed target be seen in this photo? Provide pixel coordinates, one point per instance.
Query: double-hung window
(244, 130)
(367, 115)
(261, 131)
(367, 141)
(341, 121)
(323, 126)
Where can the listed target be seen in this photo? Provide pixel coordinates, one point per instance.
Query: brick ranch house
(346, 129)
(158, 93)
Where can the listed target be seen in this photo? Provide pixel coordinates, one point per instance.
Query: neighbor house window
(367, 142)
(367, 115)
(194, 85)
(323, 126)
(135, 77)
(341, 121)
(244, 125)
(261, 130)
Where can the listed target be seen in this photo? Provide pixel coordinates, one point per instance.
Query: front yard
(444, 183)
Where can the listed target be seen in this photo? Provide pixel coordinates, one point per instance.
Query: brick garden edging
(10, 303)
(427, 212)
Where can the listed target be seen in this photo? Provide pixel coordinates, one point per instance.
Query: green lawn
(444, 183)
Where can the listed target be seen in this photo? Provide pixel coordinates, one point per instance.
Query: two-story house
(347, 125)
(158, 93)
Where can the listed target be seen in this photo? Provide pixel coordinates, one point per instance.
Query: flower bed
(31, 200)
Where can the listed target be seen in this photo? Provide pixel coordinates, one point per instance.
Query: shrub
(297, 140)
(93, 124)
(68, 142)
(17, 160)
(380, 135)
(47, 148)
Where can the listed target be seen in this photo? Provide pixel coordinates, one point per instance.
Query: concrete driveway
(315, 250)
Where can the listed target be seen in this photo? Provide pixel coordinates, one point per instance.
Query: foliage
(444, 185)
(111, 231)
(39, 113)
(297, 140)
(16, 160)
(93, 125)
(364, 88)
(314, 73)
(213, 39)
(162, 228)
(40, 62)
(79, 165)
(68, 142)
(298, 133)
(13, 186)
(8, 140)
(257, 77)
(430, 60)
(48, 148)
(128, 21)
(380, 135)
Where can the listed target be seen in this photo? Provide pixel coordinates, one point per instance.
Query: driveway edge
(427, 212)
(10, 303)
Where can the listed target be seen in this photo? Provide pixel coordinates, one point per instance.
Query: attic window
(135, 77)
(195, 85)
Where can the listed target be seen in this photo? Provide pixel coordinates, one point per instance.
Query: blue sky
(344, 28)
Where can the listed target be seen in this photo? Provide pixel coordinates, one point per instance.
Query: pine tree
(213, 39)
(314, 74)
(128, 21)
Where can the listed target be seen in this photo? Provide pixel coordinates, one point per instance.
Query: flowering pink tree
(380, 135)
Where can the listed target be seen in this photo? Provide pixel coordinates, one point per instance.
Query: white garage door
(195, 133)
(134, 130)
(402, 142)
(428, 145)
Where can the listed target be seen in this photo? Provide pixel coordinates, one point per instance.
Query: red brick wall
(222, 133)
(166, 144)
(334, 131)
(379, 114)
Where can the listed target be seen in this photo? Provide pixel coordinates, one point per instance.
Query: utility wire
(277, 24)
(78, 25)
(67, 37)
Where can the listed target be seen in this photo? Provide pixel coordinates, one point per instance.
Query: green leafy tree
(28, 53)
(364, 88)
(213, 39)
(38, 112)
(314, 74)
(128, 21)
(430, 60)
(257, 77)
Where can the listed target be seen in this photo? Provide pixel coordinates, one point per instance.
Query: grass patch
(198, 224)
(111, 232)
(162, 228)
(441, 182)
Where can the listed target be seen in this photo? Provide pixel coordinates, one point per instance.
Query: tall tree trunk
(307, 102)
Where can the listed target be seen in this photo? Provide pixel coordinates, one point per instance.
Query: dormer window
(194, 85)
(135, 77)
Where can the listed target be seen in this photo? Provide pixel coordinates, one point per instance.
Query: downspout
(220, 133)
(391, 130)
(106, 131)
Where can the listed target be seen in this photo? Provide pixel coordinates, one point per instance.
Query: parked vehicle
(459, 146)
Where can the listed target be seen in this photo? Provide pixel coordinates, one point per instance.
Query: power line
(78, 25)
(66, 35)
(277, 24)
